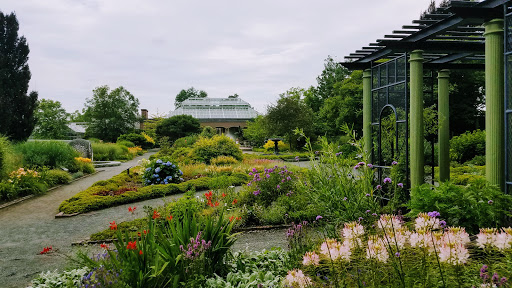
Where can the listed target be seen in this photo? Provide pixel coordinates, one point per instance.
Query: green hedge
(302, 155)
(86, 200)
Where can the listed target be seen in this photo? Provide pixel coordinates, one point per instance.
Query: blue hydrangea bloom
(173, 166)
(168, 163)
(181, 172)
(159, 161)
(157, 169)
(149, 168)
(155, 175)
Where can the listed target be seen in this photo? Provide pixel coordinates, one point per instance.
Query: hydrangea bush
(161, 171)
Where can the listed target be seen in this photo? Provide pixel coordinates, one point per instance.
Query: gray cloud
(155, 48)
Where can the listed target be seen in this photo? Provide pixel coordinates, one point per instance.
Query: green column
(367, 111)
(416, 116)
(444, 124)
(494, 103)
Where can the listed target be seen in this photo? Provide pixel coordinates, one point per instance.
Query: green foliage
(208, 132)
(189, 93)
(113, 113)
(5, 148)
(256, 131)
(205, 149)
(271, 183)
(467, 145)
(289, 113)
(464, 175)
(187, 141)
(52, 154)
(177, 127)
(256, 269)
(110, 152)
(178, 209)
(467, 97)
(21, 183)
(137, 139)
(223, 160)
(476, 205)
(51, 120)
(55, 177)
(162, 171)
(125, 143)
(17, 118)
(66, 279)
(87, 200)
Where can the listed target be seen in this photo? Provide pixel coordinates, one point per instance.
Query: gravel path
(26, 228)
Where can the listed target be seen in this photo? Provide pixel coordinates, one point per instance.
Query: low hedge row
(86, 200)
(302, 155)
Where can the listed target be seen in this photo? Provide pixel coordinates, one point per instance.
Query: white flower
(425, 222)
(311, 258)
(389, 222)
(486, 238)
(455, 254)
(377, 250)
(333, 249)
(296, 278)
(351, 233)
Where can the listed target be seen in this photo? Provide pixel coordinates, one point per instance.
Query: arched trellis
(389, 91)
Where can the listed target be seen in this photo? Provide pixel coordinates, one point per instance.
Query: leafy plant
(51, 154)
(66, 279)
(223, 160)
(55, 177)
(468, 145)
(137, 139)
(205, 149)
(110, 152)
(271, 183)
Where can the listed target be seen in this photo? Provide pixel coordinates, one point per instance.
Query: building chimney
(144, 114)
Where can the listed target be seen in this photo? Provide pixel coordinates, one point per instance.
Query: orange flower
(223, 194)
(216, 203)
(131, 245)
(231, 218)
(235, 201)
(140, 252)
(113, 225)
(156, 215)
(139, 234)
(169, 217)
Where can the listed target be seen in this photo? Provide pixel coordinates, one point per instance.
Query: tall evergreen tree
(17, 118)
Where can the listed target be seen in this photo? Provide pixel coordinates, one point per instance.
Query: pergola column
(494, 103)
(416, 117)
(444, 124)
(367, 111)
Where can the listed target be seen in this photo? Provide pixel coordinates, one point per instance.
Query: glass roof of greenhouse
(216, 108)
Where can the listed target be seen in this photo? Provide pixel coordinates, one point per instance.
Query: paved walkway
(26, 228)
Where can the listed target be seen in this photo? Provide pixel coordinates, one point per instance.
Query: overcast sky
(154, 49)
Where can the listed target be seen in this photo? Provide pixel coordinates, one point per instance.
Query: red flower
(231, 218)
(216, 203)
(140, 252)
(130, 209)
(169, 217)
(145, 232)
(223, 194)
(239, 218)
(104, 246)
(138, 234)
(113, 225)
(156, 215)
(131, 245)
(46, 250)
(235, 201)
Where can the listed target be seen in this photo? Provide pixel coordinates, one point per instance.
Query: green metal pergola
(459, 35)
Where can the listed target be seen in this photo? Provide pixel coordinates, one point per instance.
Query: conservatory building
(227, 115)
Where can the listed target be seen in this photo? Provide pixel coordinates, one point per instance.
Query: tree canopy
(189, 93)
(51, 120)
(177, 127)
(113, 113)
(17, 118)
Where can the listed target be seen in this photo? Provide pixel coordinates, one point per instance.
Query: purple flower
(288, 178)
(397, 254)
(344, 198)
(256, 192)
(355, 167)
(368, 211)
(278, 187)
(442, 223)
(367, 195)
(401, 185)
(370, 165)
(387, 180)
(254, 170)
(318, 217)
(434, 214)
(378, 187)
(282, 180)
(374, 214)
(297, 158)
(361, 163)
(360, 219)
(394, 163)
(268, 175)
(490, 202)
(316, 152)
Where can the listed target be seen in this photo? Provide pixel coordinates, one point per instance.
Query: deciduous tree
(189, 93)
(51, 120)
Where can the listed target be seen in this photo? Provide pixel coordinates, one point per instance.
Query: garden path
(26, 228)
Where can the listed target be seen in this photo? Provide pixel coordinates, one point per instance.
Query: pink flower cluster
(352, 233)
(377, 249)
(490, 238)
(333, 249)
(296, 278)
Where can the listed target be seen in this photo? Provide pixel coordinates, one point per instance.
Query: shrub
(162, 171)
(468, 145)
(125, 143)
(22, 182)
(208, 132)
(271, 183)
(187, 141)
(4, 153)
(110, 152)
(206, 149)
(55, 177)
(71, 278)
(476, 205)
(223, 160)
(270, 146)
(137, 139)
(478, 160)
(52, 154)
(177, 127)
